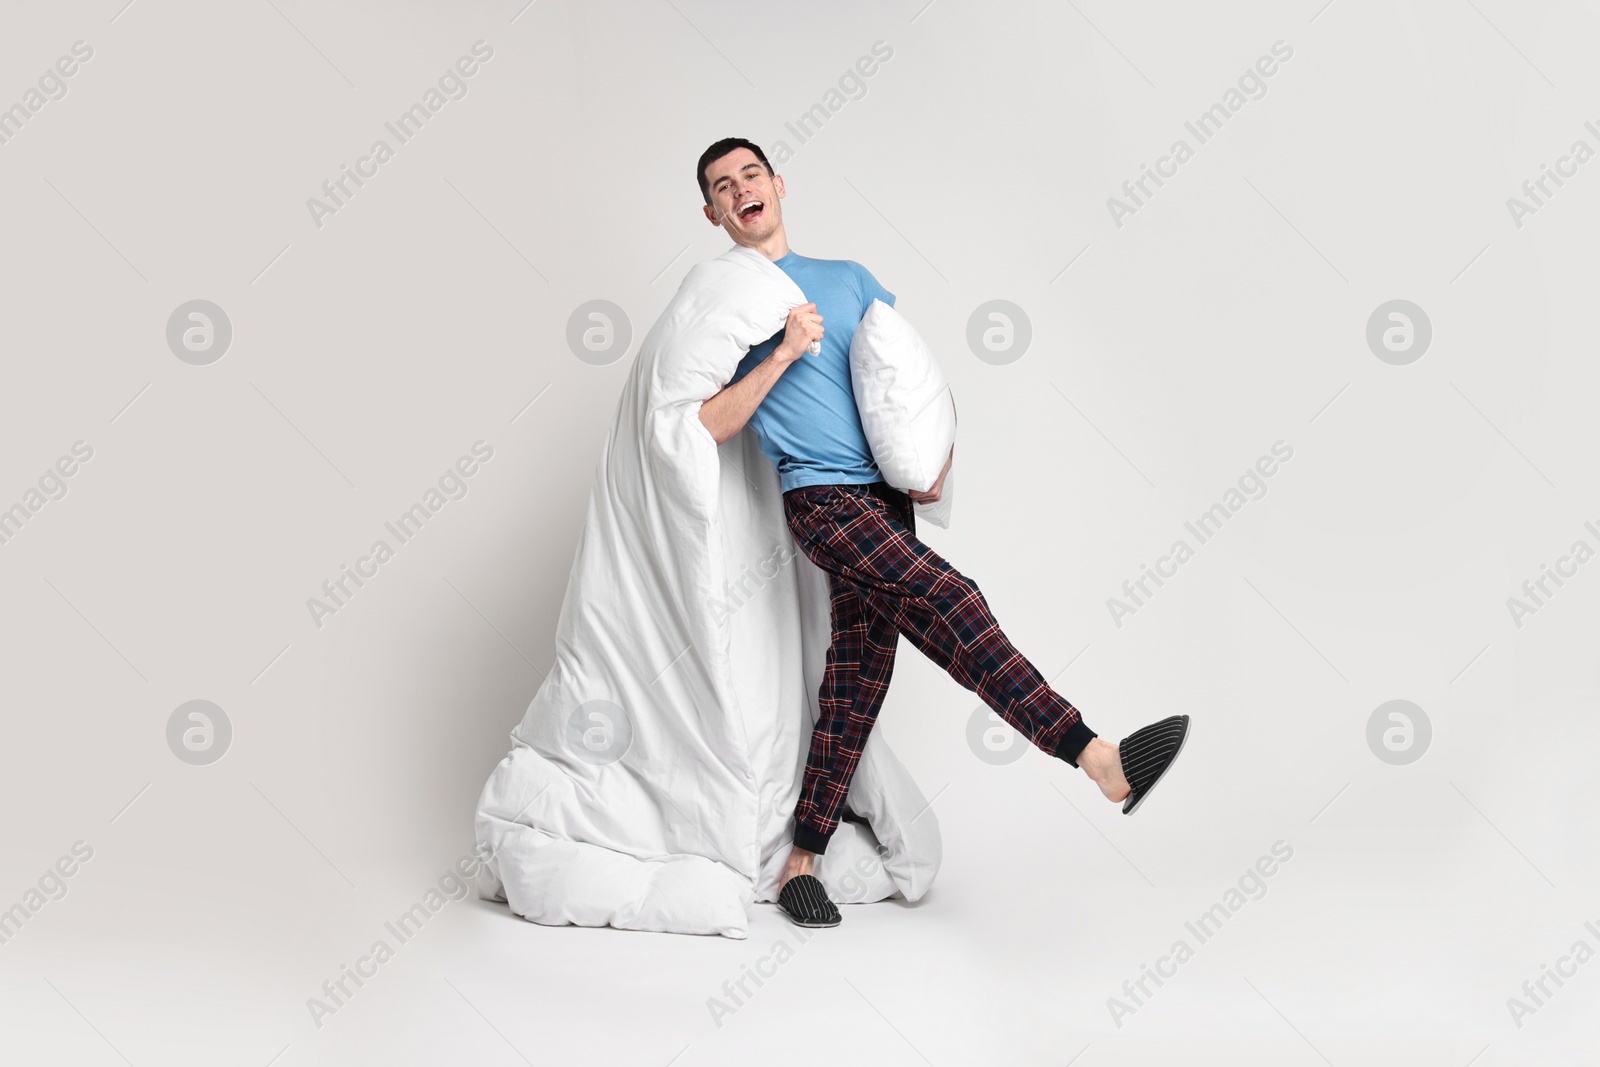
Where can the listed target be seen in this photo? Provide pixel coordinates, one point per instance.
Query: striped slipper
(806, 903)
(1147, 753)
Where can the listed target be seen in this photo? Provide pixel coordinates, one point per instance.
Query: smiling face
(744, 198)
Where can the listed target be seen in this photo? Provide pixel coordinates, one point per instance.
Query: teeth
(748, 207)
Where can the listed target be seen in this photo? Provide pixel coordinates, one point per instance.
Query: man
(883, 581)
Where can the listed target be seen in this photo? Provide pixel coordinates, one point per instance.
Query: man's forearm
(726, 413)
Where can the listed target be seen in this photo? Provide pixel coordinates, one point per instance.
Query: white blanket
(652, 781)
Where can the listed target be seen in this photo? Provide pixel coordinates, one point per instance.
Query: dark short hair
(717, 151)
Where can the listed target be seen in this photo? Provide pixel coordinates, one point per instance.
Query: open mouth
(751, 211)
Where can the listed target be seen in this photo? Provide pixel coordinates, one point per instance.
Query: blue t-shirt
(807, 424)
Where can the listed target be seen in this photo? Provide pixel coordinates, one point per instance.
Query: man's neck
(774, 247)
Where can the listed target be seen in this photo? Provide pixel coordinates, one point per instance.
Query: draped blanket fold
(652, 781)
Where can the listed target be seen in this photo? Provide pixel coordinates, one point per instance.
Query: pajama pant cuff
(810, 840)
(1074, 741)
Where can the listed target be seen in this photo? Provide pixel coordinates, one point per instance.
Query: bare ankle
(1096, 758)
(800, 862)
(1102, 762)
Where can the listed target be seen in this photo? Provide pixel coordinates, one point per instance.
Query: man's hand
(803, 326)
(931, 495)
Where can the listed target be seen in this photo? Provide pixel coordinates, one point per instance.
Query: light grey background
(1167, 354)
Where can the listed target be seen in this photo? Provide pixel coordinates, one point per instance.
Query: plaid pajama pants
(885, 582)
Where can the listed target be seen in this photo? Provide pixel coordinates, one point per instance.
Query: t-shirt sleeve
(870, 289)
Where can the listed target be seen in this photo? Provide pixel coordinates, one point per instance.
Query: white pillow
(906, 409)
(939, 513)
